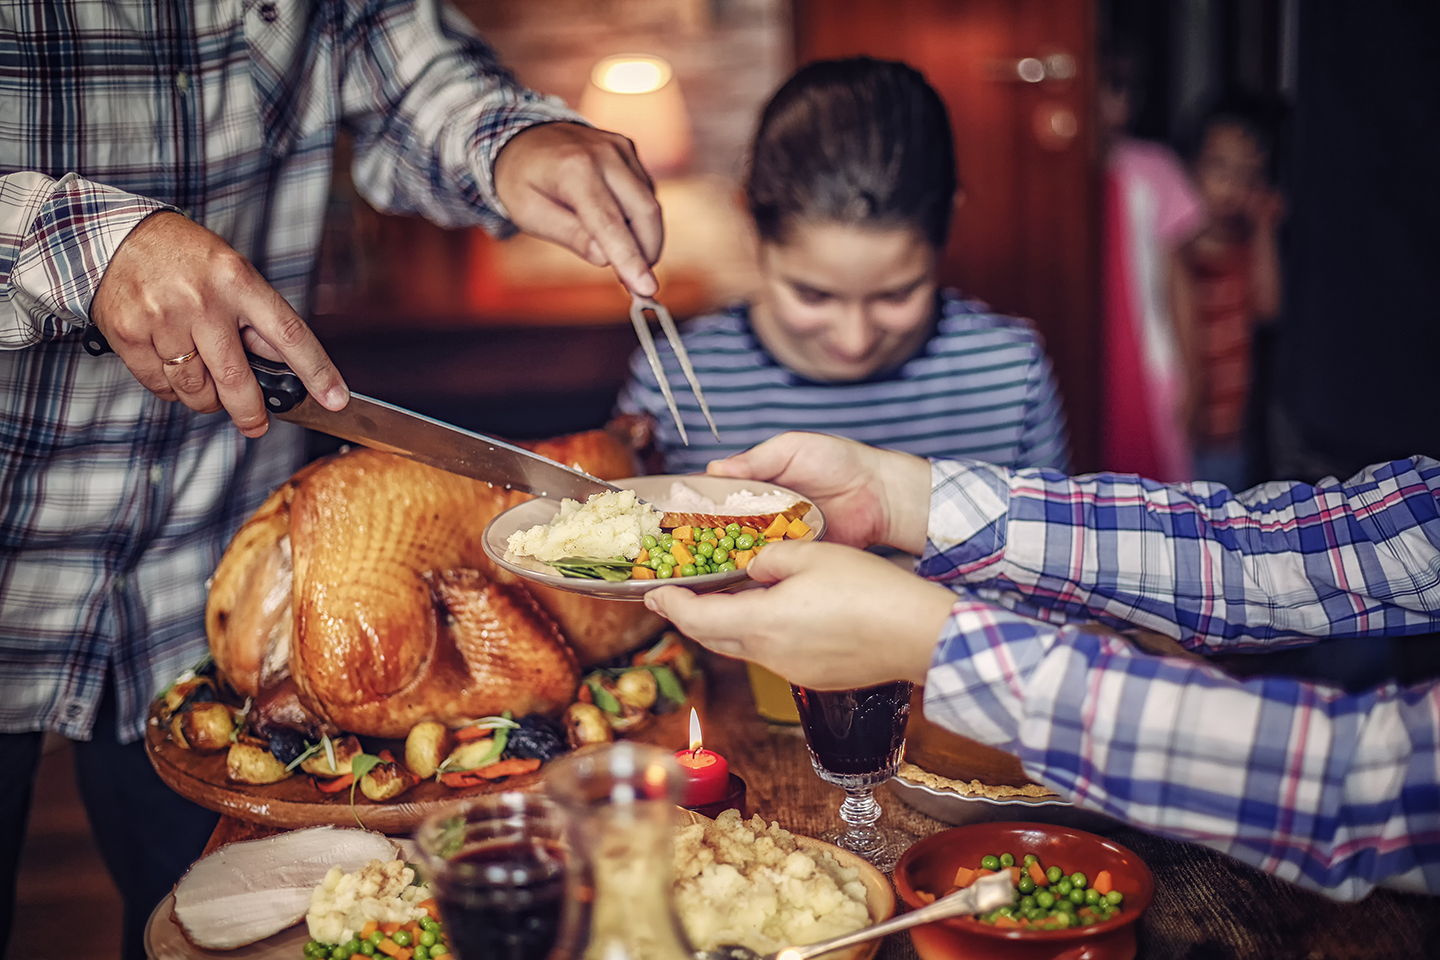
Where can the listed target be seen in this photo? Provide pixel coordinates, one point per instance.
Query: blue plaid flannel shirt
(1334, 791)
(115, 506)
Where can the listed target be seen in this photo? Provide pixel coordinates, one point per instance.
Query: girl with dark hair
(851, 187)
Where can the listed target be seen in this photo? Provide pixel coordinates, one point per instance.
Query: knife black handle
(282, 389)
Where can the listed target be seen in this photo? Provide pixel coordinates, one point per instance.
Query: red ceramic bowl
(930, 865)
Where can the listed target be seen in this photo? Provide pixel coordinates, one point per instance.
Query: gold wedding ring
(176, 361)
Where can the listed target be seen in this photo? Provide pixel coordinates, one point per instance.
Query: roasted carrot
(1038, 875)
(336, 785)
(507, 768)
(370, 927)
(466, 734)
(584, 695)
(462, 779)
(387, 756)
(964, 877)
(1103, 883)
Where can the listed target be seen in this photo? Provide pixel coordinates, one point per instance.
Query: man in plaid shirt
(1331, 790)
(164, 169)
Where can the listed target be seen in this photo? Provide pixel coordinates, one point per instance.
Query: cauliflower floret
(382, 891)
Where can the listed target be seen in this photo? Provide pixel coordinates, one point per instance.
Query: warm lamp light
(637, 96)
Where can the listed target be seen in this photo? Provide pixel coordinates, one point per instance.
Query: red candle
(707, 775)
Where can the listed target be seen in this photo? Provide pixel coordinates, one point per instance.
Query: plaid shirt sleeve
(432, 109)
(56, 239)
(1334, 791)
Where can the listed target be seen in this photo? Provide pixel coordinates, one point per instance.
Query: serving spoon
(985, 894)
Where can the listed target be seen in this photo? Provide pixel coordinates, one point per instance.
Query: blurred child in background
(1151, 212)
(1236, 275)
(851, 186)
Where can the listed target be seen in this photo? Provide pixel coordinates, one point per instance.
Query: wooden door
(1018, 78)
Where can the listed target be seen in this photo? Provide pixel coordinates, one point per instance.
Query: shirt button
(268, 13)
(182, 81)
(74, 709)
(120, 582)
(157, 473)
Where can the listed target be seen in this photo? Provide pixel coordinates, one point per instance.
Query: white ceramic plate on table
(655, 489)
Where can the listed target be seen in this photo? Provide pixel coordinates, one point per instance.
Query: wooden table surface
(1206, 905)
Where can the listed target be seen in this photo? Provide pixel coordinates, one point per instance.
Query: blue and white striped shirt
(981, 388)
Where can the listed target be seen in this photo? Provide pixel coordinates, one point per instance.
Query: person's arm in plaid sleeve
(56, 239)
(1329, 790)
(1284, 561)
(444, 131)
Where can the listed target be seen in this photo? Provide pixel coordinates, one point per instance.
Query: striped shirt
(115, 506)
(981, 387)
(1331, 790)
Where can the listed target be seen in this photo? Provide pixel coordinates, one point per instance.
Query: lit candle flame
(696, 742)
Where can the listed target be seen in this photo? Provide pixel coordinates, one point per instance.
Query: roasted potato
(205, 727)
(426, 747)
(637, 688)
(182, 690)
(318, 763)
(585, 724)
(629, 719)
(387, 780)
(251, 761)
(468, 755)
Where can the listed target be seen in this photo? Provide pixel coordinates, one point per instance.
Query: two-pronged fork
(638, 306)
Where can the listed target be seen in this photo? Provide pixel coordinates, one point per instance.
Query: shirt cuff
(497, 128)
(969, 507)
(67, 247)
(976, 683)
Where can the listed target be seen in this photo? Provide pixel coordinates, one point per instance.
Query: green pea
(1114, 898)
(711, 536)
(401, 938)
(1007, 859)
(367, 948)
(1079, 880)
(1037, 913)
(1005, 912)
(720, 555)
(1054, 874)
(341, 953)
(733, 529)
(744, 541)
(703, 549)
(353, 945)
(726, 567)
(1064, 920)
(990, 862)
(1026, 903)
(1044, 898)
(688, 570)
(1030, 858)
(650, 541)
(310, 947)
(1077, 895)
(1092, 897)
(665, 572)
(421, 953)
(377, 938)
(439, 950)
(1026, 885)
(726, 543)
(1063, 888)
(667, 541)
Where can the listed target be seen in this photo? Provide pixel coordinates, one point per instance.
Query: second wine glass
(856, 739)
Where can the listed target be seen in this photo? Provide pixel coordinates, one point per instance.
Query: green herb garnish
(306, 754)
(670, 686)
(584, 568)
(361, 765)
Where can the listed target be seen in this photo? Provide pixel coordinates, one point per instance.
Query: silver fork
(982, 896)
(638, 306)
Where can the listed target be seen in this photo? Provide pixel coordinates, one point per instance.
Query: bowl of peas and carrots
(1077, 894)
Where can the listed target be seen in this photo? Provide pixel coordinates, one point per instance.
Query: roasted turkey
(358, 598)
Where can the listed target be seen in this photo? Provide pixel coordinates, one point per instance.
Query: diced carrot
(644, 555)
(964, 877)
(405, 954)
(429, 906)
(681, 553)
(1103, 884)
(507, 768)
(465, 734)
(336, 785)
(982, 872)
(1014, 874)
(1038, 875)
(924, 896)
(797, 529)
(642, 573)
(950, 891)
(389, 928)
(777, 528)
(390, 948)
(1004, 922)
(411, 927)
(584, 695)
(686, 533)
(750, 532)
(370, 927)
(742, 558)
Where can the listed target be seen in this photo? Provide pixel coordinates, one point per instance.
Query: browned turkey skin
(358, 598)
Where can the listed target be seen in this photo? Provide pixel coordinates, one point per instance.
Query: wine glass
(856, 739)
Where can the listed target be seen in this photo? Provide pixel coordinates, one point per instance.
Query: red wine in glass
(856, 739)
(502, 899)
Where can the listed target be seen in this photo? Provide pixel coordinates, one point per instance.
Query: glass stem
(860, 811)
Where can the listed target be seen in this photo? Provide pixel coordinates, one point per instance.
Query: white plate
(655, 489)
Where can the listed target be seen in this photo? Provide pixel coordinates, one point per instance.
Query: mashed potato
(743, 882)
(607, 525)
(380, 891)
